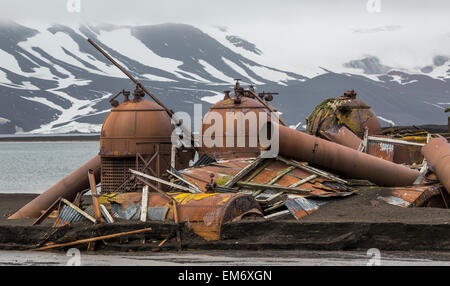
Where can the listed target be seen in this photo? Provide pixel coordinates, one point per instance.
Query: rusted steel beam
(340, 159)
(136, 82)
(67, 188)
(437, 153)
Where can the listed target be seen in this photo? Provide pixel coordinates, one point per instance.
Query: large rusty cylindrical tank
(136, 134)
(344, 110)
(340, 159)
(237, 135)
(437, 153)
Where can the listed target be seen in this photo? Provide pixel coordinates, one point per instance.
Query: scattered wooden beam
(258, 170)
(164, 241)
(44, 215)
(155, 188)
(160, 181)
(106, 214)
(313, 170)
(280, 175)
(195, 188)
(242, 173)
(305, 180)
(275, 215)
(144, 203)
(95, 203)
(273, 187)
(81, 241)
(83, 213)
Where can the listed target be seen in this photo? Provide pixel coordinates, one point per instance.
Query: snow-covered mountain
(53, 81)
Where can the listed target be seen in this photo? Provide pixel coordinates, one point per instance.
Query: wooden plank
(195, 188)
(95, 203)
(271, 198)
(365, 141)
(47, 212)
(81, 241)
(305, 180)
(278, 214)
(280, 175)
(273, 187)
(83, 213)
(242, 173)
(173, 154)
(155, 188)
(144, 203)
(106, 214)
(312, 170)
(258, 170)
(160, 181)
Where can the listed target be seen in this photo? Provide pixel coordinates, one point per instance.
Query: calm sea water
(33, 167)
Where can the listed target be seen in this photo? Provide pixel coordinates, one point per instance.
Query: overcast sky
(403, 32)
(239, 12)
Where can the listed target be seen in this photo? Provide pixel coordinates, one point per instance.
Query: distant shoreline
(50, 138)
(433, 128)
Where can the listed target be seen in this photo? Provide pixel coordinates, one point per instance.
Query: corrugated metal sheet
(204, 160)
(69, 215)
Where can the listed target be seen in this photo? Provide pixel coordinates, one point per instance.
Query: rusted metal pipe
(67, 188)
(341, 159)
(437, 154)
(342, 136)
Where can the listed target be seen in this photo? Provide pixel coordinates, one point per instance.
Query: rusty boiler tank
(136, 134)
(239, 112)
(344, 110)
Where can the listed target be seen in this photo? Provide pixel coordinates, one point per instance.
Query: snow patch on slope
(215, 72)
(213, 99)
(272, 75)
(4, 121)
(157, 78)
(241, 71)
(130, 46)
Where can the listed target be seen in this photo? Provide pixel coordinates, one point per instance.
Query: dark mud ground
(344, 224)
